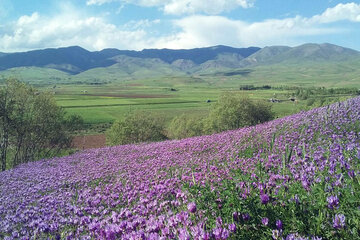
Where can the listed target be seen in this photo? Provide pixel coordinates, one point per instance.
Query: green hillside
(36, 75)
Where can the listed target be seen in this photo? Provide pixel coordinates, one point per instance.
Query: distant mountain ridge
(75, 60)
(70, 59)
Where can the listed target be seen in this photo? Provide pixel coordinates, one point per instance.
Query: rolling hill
(78, 64)
(76, 59)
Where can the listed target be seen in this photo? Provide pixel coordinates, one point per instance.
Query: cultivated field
(106, 103)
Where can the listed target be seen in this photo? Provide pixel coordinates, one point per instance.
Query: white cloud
(66, 29)
(71, 27)
(349, 11)
(199, 30)
(140, 24)
(180, 7)
(98, 2)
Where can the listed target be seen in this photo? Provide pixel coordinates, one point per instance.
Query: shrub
(234, 111)
(136, 127)
(310, 102)
(184, 126)
(74, 122)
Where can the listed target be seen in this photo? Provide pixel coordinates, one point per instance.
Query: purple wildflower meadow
(137, 191)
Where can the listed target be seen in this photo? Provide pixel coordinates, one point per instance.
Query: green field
(106, 103)
(103, 95)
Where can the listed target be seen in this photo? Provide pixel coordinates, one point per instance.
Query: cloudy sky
(139, 24)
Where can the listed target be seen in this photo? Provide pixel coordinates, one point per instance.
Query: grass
(99, 104)
(96, 115)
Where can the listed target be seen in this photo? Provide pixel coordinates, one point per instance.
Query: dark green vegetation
(184, 126)
(136, 127)
(234, 111)
(32, 126)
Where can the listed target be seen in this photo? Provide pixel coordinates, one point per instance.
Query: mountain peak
(75, 59)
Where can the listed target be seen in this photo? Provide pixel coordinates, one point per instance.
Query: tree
(136, 127)
(234, 111)
(184, 126)
(32, 126)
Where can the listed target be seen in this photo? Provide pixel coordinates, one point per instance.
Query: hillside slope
(308, 64)
(71, 59)
(251, 183)
(309, 52)
(76, 59)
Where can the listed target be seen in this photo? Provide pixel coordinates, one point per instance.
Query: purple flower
(296, 236)
(297, 199)
(110, 233)
(276, 234)
(232, 227)
(217, 233)
(225, 234)
(265, 221)
(153, 236)
(236, 216)
(264, 198)
(183, 234)
(221, 233)
(333, 202)
(339, 221)
(351, 174)
(191, 207)
(219, 222)
(279, 224)
(246, 217)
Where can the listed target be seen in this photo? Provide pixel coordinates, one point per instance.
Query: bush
(234, 111)
(310, 102)
(31, 124)
(184, 126)
(74, 122)
(136, 127)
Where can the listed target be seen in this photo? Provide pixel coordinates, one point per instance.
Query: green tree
(184, 126)
(136, 127)
(234, 111)
(74, 122)
(32, 126)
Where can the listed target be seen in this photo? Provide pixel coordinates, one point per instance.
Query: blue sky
(139, 24)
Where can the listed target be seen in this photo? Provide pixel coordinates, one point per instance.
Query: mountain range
(76, 61)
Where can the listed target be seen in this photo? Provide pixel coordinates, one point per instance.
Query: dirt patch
(130, 95)
(89, 141)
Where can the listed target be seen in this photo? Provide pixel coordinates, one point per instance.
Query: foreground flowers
(295, 178)
(339, 221)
